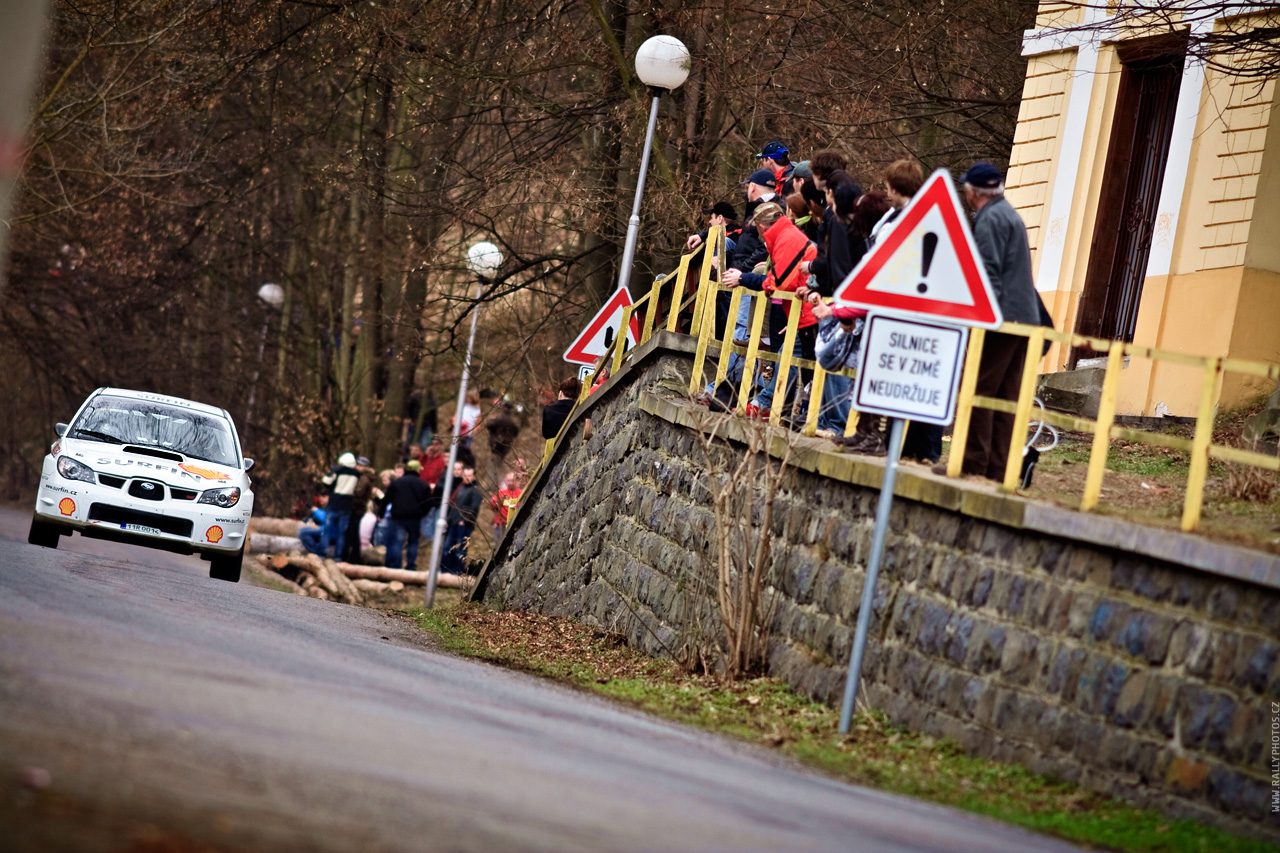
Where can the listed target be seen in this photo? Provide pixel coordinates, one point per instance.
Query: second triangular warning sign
(928, 264)
(599, 334)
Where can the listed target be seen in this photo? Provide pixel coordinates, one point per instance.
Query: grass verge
(766, 711)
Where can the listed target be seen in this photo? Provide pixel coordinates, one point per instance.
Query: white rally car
(149, 469)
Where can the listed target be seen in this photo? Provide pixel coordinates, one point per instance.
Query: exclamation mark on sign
(926, 259)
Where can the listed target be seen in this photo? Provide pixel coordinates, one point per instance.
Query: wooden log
(269, 543)
(405, 576)
(275, 526)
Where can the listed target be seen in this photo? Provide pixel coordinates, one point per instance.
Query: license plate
(140, 528)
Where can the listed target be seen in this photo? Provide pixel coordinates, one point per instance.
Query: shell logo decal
(207, 473)
(66, 506)
(214, 534)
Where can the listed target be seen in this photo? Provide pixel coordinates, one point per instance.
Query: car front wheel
(226, 568)
(43, 534)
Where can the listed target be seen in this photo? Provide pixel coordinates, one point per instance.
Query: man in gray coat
(1001, 238)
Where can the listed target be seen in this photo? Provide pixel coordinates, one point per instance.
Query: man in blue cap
(774, 157)
(1001, 239)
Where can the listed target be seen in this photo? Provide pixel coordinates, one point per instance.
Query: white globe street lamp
(483, 259)
(272, 295)
(662, 62)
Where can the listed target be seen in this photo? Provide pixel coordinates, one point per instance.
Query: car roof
(163, 398)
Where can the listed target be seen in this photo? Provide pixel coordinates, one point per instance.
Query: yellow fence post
(1199, 468)
(783, 366)
(759, 306)
(815, 400)
(677, 294)
(706, 328)
(722, 366)
(964, 402)
(1022, 413)
(1102, 429)
(620, 344)
(704, 280)
(655, 293)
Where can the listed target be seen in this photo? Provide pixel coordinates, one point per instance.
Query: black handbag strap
(780, 279)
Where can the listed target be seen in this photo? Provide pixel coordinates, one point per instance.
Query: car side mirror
(248, 463)
(60, 429)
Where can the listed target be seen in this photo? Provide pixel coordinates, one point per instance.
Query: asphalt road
(145, 707)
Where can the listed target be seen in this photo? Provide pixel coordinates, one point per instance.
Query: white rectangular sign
(909, 369)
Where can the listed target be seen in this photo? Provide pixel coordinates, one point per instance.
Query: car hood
(128, 461)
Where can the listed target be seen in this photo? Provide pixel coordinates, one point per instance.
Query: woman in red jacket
(788, 249)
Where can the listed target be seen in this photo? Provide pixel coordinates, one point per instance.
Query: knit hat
(347, 460)
(413, 465)
(982, 176)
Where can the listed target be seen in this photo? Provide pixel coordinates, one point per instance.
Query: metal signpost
(908, 369)
(926, 271)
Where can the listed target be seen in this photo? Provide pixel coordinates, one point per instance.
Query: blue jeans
(312, 539)
(837, 394)
(741, 331)
(428, 526)
(398, 534)
(335, 532)
(802, 348)
(454, 559)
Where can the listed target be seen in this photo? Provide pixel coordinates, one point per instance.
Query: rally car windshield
(120, 420)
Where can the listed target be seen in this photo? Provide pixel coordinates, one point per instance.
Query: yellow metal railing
(717, 352)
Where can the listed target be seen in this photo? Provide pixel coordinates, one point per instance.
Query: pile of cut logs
(275, 542)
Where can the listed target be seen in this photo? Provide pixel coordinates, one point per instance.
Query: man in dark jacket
(554, 415)
(1001, 239)
(408, 497)
(464, 506)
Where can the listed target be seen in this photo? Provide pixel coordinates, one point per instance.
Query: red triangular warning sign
(928, 264)
(598, 336)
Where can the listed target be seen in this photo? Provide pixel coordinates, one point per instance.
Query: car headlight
(221, 497)
(73, 470)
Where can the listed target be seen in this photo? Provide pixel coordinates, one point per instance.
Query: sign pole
(873, 569)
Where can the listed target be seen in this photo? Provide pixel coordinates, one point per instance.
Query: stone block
(1225, 789)
(1091, 683)
(962, 633)
(1223, 601)
(1255, 659)
(1135, 699)
(986, 648)
(1083, 605)
(1065, 671)
(1186, 776)
(1018, 663)
(932, 630)
(1146, 635)
(981, 589)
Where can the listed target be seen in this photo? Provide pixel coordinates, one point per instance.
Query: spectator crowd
(804, 228)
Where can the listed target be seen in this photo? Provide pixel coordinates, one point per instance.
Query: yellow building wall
(1222, 294)
(1222, 297)
(1037, 141)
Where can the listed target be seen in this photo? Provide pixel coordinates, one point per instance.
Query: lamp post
(662, 62)
(273, 295)
(483, 259)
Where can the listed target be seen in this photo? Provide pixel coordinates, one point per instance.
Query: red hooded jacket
(786, 242)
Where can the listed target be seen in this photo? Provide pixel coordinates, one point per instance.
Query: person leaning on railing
(1001, 238)
(788, 248)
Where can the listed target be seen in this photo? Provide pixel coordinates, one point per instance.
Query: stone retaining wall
(1132, 675)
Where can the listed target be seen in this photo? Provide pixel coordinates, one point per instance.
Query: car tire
(226, 568)
(43, 534)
